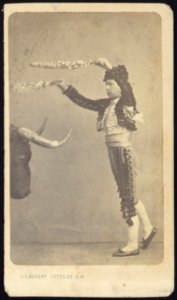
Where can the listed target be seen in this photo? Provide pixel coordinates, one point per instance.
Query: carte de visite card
(89, 208)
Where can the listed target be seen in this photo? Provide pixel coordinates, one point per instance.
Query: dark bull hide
(20, 155)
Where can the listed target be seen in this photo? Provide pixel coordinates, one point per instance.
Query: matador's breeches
(124, 167)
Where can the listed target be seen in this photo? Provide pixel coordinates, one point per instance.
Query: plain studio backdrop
(73, 193)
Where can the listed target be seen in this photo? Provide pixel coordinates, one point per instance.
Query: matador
(116, 118)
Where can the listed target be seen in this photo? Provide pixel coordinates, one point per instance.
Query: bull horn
(38, 140)
(41, 129)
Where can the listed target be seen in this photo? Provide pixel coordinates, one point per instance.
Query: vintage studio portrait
(86, 138)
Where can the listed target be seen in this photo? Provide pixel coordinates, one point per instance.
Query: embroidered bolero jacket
(124, 113)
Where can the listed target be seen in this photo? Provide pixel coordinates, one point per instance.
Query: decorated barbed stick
(63, 64)
(27, 87)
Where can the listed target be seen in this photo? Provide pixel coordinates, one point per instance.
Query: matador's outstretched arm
(79, 99)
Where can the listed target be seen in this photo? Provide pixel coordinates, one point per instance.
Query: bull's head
(20, 155)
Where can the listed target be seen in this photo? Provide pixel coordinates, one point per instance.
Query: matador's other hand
(103, 63)
(60, 83)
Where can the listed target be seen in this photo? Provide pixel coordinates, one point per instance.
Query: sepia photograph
(88, 150)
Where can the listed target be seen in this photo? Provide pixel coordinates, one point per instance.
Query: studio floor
(82, 254)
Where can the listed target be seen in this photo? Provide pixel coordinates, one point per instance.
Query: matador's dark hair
(120, 75)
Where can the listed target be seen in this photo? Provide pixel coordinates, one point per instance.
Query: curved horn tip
(68, 135)
(41, 129)
(56, 144)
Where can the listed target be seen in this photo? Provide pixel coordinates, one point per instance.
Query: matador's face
(112, 88)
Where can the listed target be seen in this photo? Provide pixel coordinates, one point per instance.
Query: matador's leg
(144, 219)
(121, 163)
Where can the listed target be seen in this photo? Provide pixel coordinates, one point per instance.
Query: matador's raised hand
(60, 83)
(103, 63)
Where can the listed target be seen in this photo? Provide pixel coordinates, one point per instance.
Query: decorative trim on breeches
(124, 167)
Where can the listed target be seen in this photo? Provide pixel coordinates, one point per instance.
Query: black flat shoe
(122, 253)
(145, 242)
